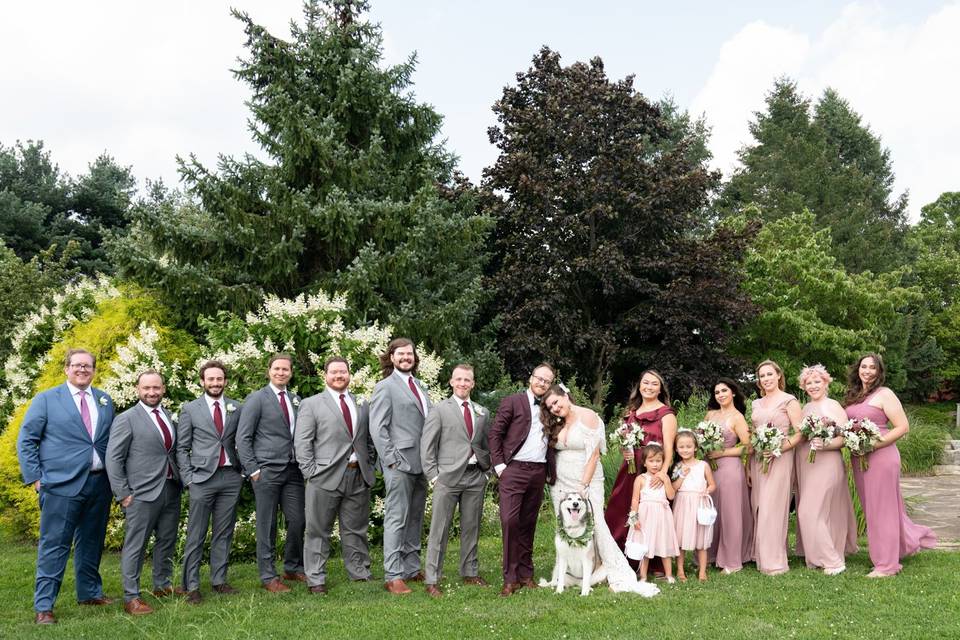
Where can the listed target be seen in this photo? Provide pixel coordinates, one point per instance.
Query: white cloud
(900, 77)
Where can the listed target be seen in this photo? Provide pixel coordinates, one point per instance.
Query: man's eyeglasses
(541, 380)
(82, 367)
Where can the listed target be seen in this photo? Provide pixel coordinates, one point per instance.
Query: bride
(577, 434)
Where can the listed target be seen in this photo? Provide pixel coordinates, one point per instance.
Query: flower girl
(651, 521)
(694, 481)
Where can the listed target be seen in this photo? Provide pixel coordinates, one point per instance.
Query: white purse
(636, 549)
(706, 512)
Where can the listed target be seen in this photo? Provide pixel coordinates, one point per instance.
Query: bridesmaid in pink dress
(891, 535)
(733, 530)
(771, 490)
(648, 406)
(825, 519)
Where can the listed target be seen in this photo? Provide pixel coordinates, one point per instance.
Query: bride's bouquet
(628, 436)
(816, 427)
(766, 438)
(709, 439)
(860, 435)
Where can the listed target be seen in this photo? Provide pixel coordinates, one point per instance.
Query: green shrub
(922, 447)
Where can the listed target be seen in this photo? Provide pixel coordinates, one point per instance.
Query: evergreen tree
(604, 261)
(356, 196)
(822, 158)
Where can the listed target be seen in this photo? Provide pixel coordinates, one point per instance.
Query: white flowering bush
(141, 352)
(31, 341)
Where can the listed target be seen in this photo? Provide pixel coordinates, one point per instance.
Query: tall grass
(922, 447)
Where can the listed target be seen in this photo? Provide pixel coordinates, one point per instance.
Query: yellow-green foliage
(115, 320)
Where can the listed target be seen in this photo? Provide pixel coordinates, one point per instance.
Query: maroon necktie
(167, 438)
(283, 407)
(468, 419)
(416, 394)
(218, 423)
(346, 415)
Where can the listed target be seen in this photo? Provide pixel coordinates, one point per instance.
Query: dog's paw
(585, 592)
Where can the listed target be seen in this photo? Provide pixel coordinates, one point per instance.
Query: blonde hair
(781, 382)
(814, 370)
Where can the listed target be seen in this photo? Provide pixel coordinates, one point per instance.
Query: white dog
(574, 543)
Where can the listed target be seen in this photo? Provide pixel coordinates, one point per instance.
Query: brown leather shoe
(417, 577)
(529, 584)
(169, 591)
(433, 591)
(276, 586)
(476, 581)
(225, 589)
(295, 577)
(137, 607)
(97, 602)
(193, 597)
(320, 589)
(45, 617)
(510, 588)
(397, 587)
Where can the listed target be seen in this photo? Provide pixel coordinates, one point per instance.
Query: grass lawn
(923, 602)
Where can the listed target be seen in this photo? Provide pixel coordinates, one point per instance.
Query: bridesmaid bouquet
(766, 438)
(709, 438)
(860, 435)
(817, 427)
(628, 436)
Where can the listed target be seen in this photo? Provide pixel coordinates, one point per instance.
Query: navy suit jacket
(53, 445)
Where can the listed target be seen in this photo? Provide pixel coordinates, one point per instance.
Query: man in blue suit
(61, 447)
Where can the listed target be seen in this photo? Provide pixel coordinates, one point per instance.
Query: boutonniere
(477, 409)
(103, 401)
(174, 417)
(231, 407)
(295, 401)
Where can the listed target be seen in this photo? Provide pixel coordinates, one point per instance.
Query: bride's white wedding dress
(572, 456)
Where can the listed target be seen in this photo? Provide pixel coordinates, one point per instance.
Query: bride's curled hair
(552, 425)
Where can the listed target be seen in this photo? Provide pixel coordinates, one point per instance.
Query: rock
(946, 470)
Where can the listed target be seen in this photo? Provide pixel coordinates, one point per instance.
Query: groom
(524, 463)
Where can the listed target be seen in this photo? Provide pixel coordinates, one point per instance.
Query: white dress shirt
(153, 421)
(96, 464)
(352, 408)
(534, 448)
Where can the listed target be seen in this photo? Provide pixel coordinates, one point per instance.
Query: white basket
(706, 512)
(636, 549)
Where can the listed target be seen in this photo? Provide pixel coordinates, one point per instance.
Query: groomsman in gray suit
(210, 469)
(336, 456)
(265, 445)
(142, 467)
(456, 458)
(397, 411)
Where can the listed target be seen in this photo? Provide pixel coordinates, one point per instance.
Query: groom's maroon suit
(521, 485)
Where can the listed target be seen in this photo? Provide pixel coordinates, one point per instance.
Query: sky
(146, 82)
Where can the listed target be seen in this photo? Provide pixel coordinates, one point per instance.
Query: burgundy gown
(618, 506)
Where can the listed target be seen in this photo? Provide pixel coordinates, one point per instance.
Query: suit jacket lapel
(66, 400)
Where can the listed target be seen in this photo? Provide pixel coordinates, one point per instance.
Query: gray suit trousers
(143, 518)
(402, 523)
(284, 490)
(469, 494)
(215, 497)
(351, 502)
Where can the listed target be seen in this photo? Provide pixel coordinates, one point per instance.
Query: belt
(353, 465)
(472, 467)
(97, 472)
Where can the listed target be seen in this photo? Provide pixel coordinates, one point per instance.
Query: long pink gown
(825, 512)
(891, 535)
(771, 493)
(733, 530)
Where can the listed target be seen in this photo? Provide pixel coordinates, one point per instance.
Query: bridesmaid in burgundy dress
(649, 407)
(825, 520)
(891, 535)
(733, 530)
(771, 490)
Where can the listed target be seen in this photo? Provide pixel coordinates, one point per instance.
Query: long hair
(739, 402)
(781, 382)
(855, 389)
(552, 425)
(386, 365)
(636, 399)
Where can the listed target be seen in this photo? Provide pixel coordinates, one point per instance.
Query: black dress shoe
(225, 589)
(320, 589)
(193, 597)
(97, 602)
